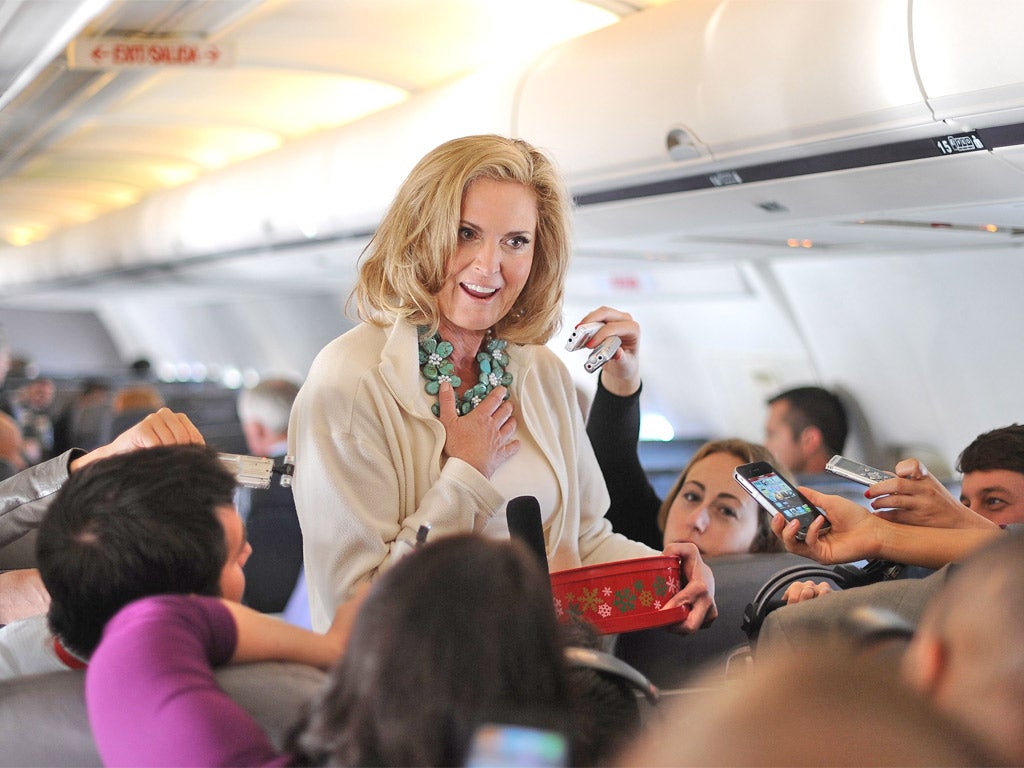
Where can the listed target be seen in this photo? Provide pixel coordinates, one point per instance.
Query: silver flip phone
(856, 471)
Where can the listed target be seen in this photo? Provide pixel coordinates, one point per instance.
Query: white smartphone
(773, 492)
(856, 471)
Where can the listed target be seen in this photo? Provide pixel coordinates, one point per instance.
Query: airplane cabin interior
(780, 192)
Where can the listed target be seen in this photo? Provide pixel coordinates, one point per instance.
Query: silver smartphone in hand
(856, 471)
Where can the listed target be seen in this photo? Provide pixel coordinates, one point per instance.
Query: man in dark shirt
(269, 514)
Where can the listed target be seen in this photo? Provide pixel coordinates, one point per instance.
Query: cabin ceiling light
(942, 226)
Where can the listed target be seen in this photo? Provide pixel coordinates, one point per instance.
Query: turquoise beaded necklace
(436, 367)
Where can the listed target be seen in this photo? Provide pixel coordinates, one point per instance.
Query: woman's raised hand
(621, 374)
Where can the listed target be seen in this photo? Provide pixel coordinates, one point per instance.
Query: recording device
(605, 352)
(581, 334)
(524, 522)
(854, 470)
(257, 471)
(404, 547)
(421, 534)
(773, 492)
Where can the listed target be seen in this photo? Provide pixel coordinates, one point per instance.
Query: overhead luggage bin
(699, 87)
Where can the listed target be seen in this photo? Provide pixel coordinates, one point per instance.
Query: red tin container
(621, 596)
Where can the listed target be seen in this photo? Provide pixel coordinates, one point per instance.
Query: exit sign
(147, 52)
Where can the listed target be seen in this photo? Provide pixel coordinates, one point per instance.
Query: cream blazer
(368, 464)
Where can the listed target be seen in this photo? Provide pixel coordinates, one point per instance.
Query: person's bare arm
(267, 638)
(915, 497)
(22, 594)
(857, 534)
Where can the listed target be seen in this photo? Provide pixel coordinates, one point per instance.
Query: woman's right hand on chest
(485, 437)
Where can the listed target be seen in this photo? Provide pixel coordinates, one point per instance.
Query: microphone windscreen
(524, 522)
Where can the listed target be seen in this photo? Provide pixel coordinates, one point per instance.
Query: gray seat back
(669, 659)
(43, 720)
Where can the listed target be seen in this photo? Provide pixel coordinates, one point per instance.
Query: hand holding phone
(854, 470)
(777, 495)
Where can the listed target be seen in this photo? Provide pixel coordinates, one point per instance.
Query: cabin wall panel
(708, 359)
(264, 333)
(927, 341)
(61, 343)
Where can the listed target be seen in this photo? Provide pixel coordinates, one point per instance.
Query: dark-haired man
(921, 523)
(25, 497)
(993, 475)
(806, 426)
(269, 513)
(155, 521)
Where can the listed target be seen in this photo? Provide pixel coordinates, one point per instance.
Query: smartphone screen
(498, 744)
(773, 492)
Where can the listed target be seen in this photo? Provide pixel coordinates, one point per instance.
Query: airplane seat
(89, 427)
(215, 414)
(669, 660)
(116, 423)
(20, 553)
(43, 719)
(663, 461)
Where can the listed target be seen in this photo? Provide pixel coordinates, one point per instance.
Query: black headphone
(843, 576)
(765, 601)
(605, 663)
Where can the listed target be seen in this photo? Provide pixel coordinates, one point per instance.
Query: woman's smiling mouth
(478, 291)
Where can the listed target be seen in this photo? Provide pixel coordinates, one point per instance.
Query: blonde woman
(444, 403)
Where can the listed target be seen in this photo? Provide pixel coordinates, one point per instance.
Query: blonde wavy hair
(746, 452)
(406, 262)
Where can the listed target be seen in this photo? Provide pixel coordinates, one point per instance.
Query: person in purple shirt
(459, 633)
(150, 688)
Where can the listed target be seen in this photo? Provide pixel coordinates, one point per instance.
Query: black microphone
(523, 515)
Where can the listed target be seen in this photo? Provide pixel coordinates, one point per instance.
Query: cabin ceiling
(80, 142)
(80, 137)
